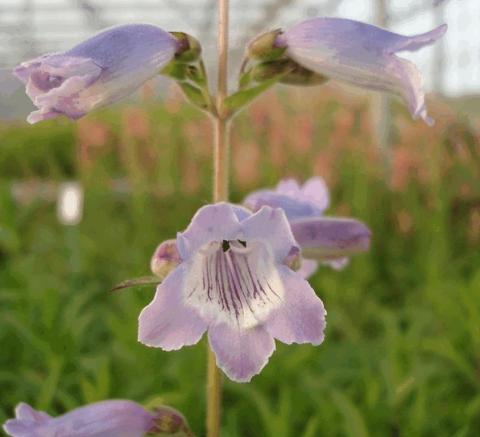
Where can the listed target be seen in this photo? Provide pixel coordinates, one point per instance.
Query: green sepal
(293, 73)
(245, 79)
(263, 47)
(175, 70)
(137, 282)
(189, 49)
(194, 95)
(196, 75)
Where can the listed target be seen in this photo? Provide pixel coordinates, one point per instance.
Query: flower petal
(292, 206)
(289, 187)
(240, 353)
(41, 115)
(211, 223)
(301, 318)
(324, 238)
(416, 42)
(409, 84)
(316, 190)
(362, 55)
(270, 225)
(337, 263)
(167, 322)
(309, 200)
(24, 411)
(112, 418)
(307, 268)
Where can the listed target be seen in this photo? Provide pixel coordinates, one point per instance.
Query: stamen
(241, 247)
(225, 245)
(210, 249)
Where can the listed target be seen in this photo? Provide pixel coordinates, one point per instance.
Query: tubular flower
(112, 418)
(233, 282)
(97, 72)
(322, 239)
(362, 55)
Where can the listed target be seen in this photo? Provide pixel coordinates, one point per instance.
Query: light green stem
(221, 163)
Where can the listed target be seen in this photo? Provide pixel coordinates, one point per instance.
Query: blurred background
(402, 353)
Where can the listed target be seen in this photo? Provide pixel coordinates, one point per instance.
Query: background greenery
(402, 352)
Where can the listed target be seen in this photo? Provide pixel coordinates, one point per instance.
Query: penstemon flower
(233, 281)
(112, 418)
(355, 52)
(97, 72)
(321, 239)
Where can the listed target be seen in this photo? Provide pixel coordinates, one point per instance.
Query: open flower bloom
(362, 55)
(321, 239)
(233, 282)
(97, 72)
(113, 418)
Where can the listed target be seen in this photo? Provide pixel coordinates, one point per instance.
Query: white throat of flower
(233, 281)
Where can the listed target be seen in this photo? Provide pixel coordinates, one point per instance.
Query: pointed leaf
(241, 98)
(194, 95)
(137, 282)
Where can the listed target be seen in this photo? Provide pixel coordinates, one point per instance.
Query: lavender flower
(97, 72)
(362, 55)
(233, 282)
(113, 418)
(325, 239)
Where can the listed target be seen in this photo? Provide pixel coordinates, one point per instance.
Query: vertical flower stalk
(221, 165)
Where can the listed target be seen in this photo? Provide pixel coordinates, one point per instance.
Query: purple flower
(113, 418)
(362, 55)
(309, 200)
(325, 239)
(233, 282)
(97, 72)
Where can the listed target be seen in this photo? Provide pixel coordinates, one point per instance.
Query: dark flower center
(45, 81)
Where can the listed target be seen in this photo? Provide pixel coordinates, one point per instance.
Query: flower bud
(264, 47)
(293, 259)
(189, 48)
(167, 420)
(165, 258)
(327, 238)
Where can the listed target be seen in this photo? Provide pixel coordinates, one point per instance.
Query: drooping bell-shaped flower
(362, 55)
(112, 418)
(97, 72)
(233, 282)
(329, 240)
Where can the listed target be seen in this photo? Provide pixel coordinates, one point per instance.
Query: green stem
(221, 163)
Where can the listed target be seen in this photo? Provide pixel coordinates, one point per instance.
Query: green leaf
(137, 282)
(194, 95)
(245, 79)
(241, 98)
(354, 422)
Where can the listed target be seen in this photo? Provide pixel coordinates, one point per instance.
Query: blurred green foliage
(402, 351)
